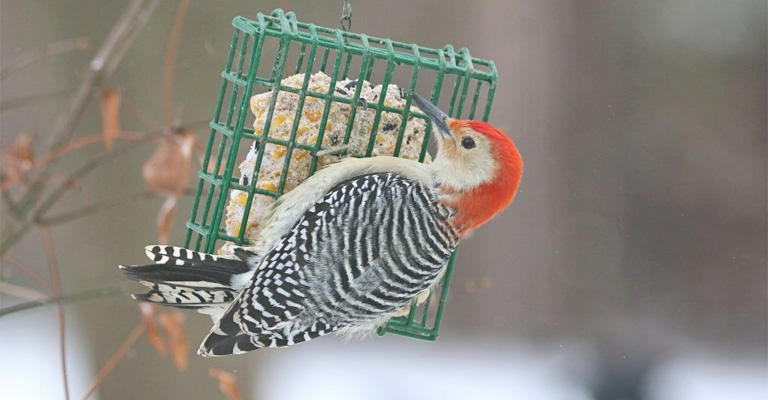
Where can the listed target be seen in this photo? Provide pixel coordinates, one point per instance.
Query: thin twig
(20, 291)
(170, 60)
(63, 348)
(129, 341)
(51, 50)
(142, 117)
(27, 270)
(8, 201)
(53, 264)
(11, 238)
(14, 236)
(98, 206)
(80, 172)
(87, 141)
(6, 105)
(101, 67)
(85, 295)
(5, 189)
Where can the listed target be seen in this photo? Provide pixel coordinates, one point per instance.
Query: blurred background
(631, 266)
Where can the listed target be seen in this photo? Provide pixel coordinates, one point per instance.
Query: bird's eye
(467, 142)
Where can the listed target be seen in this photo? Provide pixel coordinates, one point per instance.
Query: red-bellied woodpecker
(348, 247)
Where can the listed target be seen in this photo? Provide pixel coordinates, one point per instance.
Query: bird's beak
(438, 117)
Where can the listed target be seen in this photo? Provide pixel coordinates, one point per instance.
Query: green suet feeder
(266, 51)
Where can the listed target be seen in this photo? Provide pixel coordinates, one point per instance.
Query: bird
(347, 248)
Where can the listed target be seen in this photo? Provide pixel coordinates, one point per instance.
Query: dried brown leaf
(17, 159)
(21, 148)
(484, 283)
(110, 116)
(476, 285)
(150, 327)
(169, 170)
(178, 343)
(165, 220)
(227, 383)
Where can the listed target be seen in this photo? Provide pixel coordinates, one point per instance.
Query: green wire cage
(272, 47)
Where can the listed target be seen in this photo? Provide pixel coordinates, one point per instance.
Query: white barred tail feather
(188, 279)
(229, 339)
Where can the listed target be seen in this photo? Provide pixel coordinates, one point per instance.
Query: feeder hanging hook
(346, 16)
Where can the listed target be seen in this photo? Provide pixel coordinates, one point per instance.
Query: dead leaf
(110, 116)
(168, 173)
(178, 343)
(17, 159)
(169, 170)
(21, 148)
(150, 327)
(227, 383)
(476, 285)
(484, 283)
(165, 219)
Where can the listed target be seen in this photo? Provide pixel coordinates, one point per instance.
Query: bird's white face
(464, 158)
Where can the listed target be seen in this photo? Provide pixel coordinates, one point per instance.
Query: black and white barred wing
(366, 249)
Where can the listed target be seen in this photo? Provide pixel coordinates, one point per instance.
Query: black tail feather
(186, 276)
(187, 279)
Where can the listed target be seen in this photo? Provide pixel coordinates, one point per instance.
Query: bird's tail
(188, 279)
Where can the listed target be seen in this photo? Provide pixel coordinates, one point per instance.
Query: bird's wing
(368, 247)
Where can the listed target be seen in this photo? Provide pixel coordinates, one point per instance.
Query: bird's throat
(476, 206)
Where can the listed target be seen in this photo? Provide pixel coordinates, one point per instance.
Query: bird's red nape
(478, 205)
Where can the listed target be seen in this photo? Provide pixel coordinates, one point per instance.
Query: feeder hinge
(346, 16)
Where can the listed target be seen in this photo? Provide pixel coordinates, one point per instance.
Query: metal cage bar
(241, 77)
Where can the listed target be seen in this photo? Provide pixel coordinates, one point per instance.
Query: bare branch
(88, 294)
(54, 49)
(129, 341)
(6, 105)
(86, 141)
(79, 173)
(20, 291)
(27, 270)
(63, 348)
(98, 206)
(101, 67)
(53, 264)
(141, 116)
(11, 236)
(170, 61)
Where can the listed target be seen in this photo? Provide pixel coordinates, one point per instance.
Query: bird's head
(477, 166)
